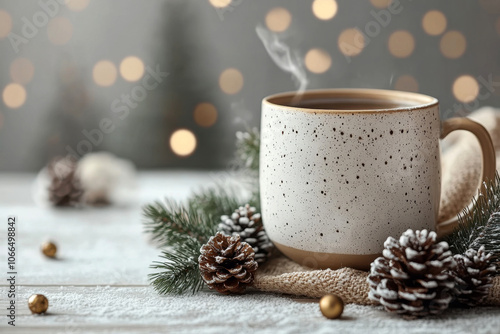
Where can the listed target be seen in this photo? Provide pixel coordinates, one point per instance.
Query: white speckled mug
(343, 169)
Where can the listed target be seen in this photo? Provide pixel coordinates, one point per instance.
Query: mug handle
(489, 160)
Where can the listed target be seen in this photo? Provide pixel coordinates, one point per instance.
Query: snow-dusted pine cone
(412, 278)
(227, 264)
(65, 188)
(473, 276)
(246, 223)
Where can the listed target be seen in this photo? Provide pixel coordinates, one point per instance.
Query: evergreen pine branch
(187, 227)
(179, 270)
(248, 149)
(255, 199)
(475, 225)
(218, 200)
(490, 239)
(247, 158)
(170, 223)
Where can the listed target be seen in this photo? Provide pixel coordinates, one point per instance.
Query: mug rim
(421, 101)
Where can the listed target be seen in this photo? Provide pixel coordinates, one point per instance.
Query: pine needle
(490, 239)
(179, 270)
(218, 200)
(479, 226)
(248, 149)
(172, 224)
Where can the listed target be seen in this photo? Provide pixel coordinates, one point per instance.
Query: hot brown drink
(351, 104)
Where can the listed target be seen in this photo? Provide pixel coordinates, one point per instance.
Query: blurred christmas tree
(72, 113)
(185, 56)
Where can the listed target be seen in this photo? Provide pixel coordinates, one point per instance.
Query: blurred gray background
(72, 74)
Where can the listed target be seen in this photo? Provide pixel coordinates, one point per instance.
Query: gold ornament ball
(49, 249)
(38, 303)
(331, 306)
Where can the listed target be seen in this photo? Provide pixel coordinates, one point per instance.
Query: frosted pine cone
(412, 277)
(227, 264)
(65, 188)
(248, 225)
(473, 276)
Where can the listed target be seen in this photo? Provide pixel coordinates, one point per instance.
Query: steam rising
(283, 57)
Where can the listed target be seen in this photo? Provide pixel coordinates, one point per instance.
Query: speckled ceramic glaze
(336, 183)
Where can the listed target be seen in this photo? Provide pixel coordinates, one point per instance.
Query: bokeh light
(132, 68)
(14, 95)
(220, 3)
(465, 88)
(434, 22)
(278, 19)
(401, 44)
(351, 42)
(324, 9)
(22, 70)
(59, 30)
(407, 83)
(381, 3)
(183, 142)
(205, 114)
(104, 73)
(231, 81)
(317, 60)
(5, 24)
(453, 44)
(77, 5)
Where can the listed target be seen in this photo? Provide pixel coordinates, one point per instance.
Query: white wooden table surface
(99, 282)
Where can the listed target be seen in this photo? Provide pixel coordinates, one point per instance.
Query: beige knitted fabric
(285, 276)
(461, 165)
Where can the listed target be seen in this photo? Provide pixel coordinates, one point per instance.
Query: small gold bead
(38, 303)
(49, 249)
(331, 306)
